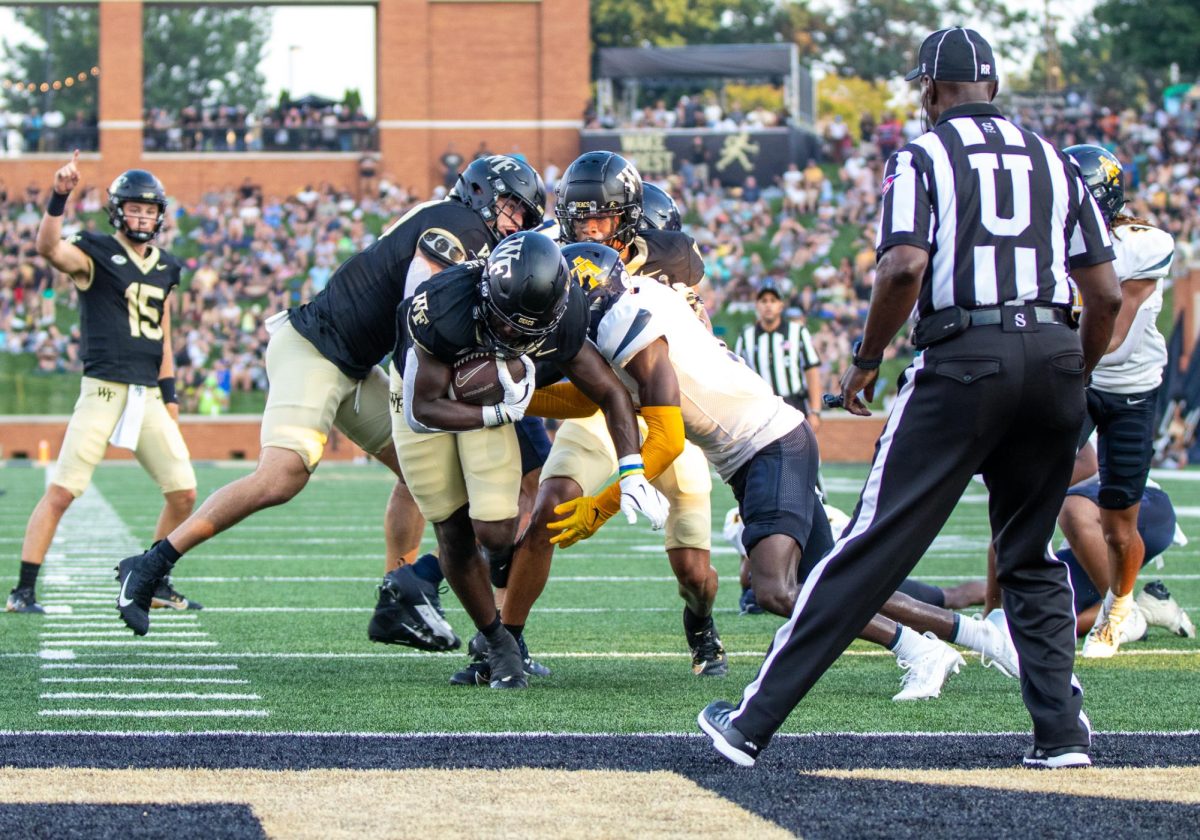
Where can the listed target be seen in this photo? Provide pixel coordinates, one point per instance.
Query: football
(477, 381)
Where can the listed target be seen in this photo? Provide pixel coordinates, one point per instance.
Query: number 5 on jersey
(144, 318)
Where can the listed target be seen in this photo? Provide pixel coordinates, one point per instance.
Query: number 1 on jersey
(144, 318)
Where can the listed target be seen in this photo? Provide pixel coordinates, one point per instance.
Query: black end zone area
(69, 822)
(777, 788)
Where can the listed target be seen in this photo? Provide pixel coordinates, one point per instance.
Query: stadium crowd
(310, 124)
(810, 235)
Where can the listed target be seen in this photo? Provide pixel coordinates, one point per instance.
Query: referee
(783, 355)
(981, 222)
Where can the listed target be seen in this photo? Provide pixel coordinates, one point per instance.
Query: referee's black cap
(768, 288)
(955, 55)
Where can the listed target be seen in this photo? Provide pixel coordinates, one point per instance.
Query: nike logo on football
(122, 601)
(461, 381)
(1134, 402)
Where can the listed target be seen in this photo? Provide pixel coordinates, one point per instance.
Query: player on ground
(322, 361)
(1123, 390)
(128, 389)
(461, 461)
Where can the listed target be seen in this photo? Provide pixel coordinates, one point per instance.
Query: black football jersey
(121, 309)
(352, 322)
(444, 320)
(668, 256)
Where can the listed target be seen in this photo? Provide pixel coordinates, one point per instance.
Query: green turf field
(282, 646)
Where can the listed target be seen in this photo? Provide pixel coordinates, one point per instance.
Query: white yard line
(146, 680)
(119, 632)
(156, 713)
(144, 695)
(143, 666)
(130, 643)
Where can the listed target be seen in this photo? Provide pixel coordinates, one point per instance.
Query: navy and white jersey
(352, 321)
(1002, 212)
(121, 309)
(728, 411)
(1143, 253)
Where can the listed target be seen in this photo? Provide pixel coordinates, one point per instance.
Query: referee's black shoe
(1058, 758)
(731, 743)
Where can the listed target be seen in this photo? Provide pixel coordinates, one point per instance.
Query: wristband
(57, 204)
(166, 387)
(494, 415)
(630, 465)
(860, 362)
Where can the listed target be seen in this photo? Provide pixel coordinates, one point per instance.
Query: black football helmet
(1101, 171)
(488, 179)
(600, 184)
(659, 210)
(136, 185)
(596, 268)
(523, 293)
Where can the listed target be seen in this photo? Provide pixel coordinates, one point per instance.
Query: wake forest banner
(729, 155)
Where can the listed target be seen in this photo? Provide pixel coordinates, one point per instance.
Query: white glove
(639, 496)
(517, 394)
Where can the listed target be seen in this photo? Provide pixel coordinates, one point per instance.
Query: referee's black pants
(1009, 406)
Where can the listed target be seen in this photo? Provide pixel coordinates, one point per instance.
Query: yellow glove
(583, 518)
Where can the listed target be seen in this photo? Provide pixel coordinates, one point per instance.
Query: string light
(55, 84)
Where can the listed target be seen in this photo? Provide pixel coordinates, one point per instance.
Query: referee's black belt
(1041, 314)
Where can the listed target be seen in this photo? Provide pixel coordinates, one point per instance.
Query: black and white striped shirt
(780, 357)
(1002, 212)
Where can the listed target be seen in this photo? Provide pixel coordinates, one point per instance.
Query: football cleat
(748, 603)
(409, 612)
(728, 740)
(139, 577)
(167, 596)
(1161, 610)
(1058, 758)
(22, 600)
(1104, 639)
(708, 654)
(926, 673)
(999, 651)
(1133, 627)
(478, 672)
(507, 669)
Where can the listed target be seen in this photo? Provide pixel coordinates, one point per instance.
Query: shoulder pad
(442, 245)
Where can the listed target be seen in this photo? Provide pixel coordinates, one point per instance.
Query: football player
(322, 362)
(128, 389)
(659, 210)
(1122, 394)
(460, 460)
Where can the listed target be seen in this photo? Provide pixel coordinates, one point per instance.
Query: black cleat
(22, 600)
(708, 654)
(167, 597)
(505, 662)
(409, 612)
(139, 576)
(749, 604)
(1057, 759)
(478, 672)
(731, 743)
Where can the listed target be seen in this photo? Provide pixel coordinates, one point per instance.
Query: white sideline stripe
(135, 643)
(410, 736)
(166, 615)
(144, 713)
(150, 666)
(143, 695)
(139, 680)
(117, 632)
(92, 625)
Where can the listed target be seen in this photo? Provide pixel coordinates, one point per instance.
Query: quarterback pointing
(128, 389)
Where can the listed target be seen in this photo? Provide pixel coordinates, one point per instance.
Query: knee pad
(499, 565)
(689, 525)
(1114, 498)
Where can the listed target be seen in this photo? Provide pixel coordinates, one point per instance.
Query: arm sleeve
(907, 217)
(664, 441)
(561, 401)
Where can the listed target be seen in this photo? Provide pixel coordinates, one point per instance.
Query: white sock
(968, 633)
(1121, 605)
(1108, 601)
(911, 645)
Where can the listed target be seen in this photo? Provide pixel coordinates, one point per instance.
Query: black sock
(29, 573)
(492, 630)
(954, 630)
(896, 639)
(165, 550)
(693, 623)
(515, 629)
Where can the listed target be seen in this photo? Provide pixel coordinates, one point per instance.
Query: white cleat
(999, 651)
(1104, 639)
(1133, 627)
(1161, 610)
(927, 673)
